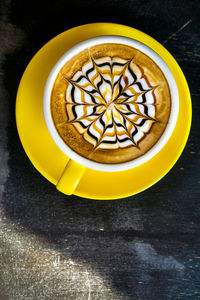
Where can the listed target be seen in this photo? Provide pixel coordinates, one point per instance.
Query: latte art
(109, 104)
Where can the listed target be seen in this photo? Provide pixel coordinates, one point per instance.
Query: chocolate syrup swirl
(111, 104)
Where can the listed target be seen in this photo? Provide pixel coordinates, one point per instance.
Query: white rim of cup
(173, 114)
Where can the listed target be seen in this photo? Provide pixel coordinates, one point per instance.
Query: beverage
(110, 103)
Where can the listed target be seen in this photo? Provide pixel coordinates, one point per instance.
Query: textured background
(57, 247)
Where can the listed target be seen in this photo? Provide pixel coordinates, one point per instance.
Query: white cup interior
(166, 134)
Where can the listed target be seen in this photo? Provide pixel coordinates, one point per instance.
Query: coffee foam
(110, 103)
(113, 103)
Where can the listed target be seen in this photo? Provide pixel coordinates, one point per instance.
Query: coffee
(110, 103)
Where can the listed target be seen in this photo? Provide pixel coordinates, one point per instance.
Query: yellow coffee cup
(77, 164)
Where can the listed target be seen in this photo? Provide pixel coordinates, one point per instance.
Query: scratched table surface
(57, 247)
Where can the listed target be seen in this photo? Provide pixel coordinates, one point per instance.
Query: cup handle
(70, 177)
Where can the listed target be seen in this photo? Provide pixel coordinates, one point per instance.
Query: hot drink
(110, 103)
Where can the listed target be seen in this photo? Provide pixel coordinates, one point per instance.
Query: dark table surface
(58, 247)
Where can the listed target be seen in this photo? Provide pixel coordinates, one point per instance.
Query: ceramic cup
(76, 166)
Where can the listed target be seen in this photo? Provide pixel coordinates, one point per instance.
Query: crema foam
(110, 103)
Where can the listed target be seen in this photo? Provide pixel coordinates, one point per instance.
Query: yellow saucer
(50, 161)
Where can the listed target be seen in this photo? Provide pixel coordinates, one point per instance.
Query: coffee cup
(110, 104)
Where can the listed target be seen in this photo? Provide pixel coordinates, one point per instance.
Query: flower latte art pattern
(111, 102)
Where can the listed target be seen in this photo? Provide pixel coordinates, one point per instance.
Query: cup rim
(172, 118)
